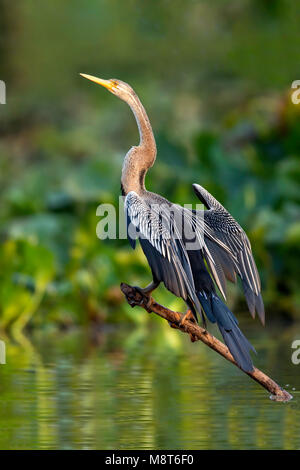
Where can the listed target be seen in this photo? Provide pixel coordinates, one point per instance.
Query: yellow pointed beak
(106, 83)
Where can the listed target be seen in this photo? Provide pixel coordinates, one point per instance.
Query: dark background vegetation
(215, 78)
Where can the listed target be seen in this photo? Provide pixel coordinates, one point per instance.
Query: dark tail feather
(236, 342)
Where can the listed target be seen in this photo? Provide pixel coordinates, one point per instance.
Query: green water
(145, 388)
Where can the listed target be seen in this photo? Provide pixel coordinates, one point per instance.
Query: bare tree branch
(196, 332)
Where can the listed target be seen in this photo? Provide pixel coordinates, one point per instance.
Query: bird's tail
(237, 343)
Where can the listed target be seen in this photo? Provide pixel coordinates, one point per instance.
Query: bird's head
(116, 87)
(126, 93)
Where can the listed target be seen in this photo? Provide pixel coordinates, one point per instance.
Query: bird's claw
(188, 316)
(144, 303)
(148, 305)
(140, 290)
(193, 338)
(131, 301)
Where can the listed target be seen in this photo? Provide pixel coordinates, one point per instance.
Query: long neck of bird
(140, 158)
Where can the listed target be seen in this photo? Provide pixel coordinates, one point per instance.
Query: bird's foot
(148, 289)
(146, 299)
(193, 338)
(149, 304)
(188, 317)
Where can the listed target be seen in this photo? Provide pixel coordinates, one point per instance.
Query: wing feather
(165, 252)
(225, 229)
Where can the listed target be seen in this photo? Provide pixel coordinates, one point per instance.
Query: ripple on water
(157, 400)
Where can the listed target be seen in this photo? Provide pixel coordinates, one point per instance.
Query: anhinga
(220, 251)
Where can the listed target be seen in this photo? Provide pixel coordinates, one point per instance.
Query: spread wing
(228, 231)
(169, 235)
(162, 245)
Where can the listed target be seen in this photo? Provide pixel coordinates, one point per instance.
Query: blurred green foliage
(215, 79)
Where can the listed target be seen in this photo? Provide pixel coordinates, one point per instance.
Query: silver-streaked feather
(227, 230)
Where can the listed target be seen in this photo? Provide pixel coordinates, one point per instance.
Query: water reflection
(143, 390)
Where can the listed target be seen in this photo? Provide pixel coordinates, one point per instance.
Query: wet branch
(196, 332)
